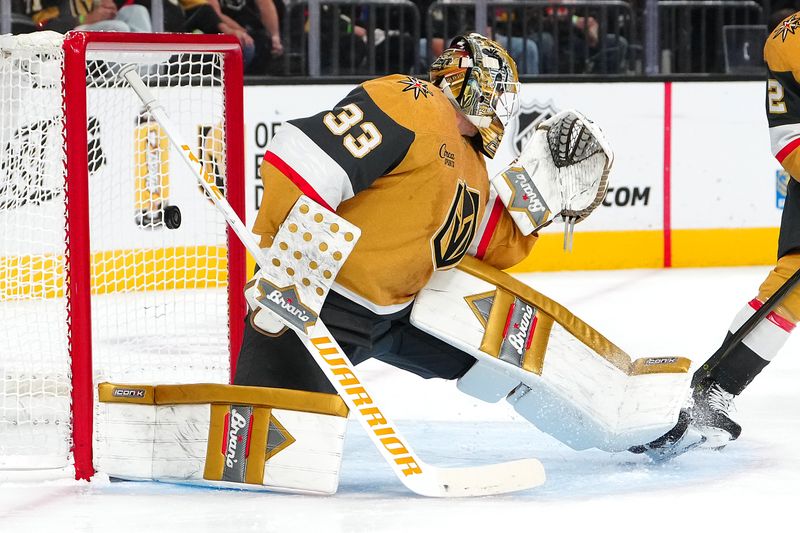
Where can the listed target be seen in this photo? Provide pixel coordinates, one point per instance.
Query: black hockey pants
(284, 362)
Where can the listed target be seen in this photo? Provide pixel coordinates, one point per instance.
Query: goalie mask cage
(96, 281)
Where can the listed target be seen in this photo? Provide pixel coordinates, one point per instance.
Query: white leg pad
(250, 438)
(563, 375)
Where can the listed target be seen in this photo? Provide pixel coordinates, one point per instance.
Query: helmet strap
(480, 122)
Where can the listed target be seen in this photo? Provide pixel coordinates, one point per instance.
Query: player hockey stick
(744, 330)
(418, 476)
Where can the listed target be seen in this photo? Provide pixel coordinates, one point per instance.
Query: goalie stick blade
(485, 480)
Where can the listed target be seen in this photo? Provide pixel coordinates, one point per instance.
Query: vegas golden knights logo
(452, 241)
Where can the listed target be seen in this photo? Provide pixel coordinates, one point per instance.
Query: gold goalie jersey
(782, 55)
(389, 158)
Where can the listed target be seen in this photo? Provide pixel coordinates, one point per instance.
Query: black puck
(172, 217)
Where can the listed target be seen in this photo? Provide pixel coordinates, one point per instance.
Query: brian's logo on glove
(286, 303)
(525, 197)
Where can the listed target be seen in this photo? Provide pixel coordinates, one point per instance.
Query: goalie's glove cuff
(560, 175)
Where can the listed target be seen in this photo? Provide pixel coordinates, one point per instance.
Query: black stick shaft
(744, 330)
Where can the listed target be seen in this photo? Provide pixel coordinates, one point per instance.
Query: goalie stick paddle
(416, 475)
(744, 330)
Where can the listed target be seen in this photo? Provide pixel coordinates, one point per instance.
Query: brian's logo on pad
(236, 442)
(286, 303)
(525, 197)
(508, 335)
(518, 334)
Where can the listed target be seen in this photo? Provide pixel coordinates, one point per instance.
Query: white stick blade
(485, 480)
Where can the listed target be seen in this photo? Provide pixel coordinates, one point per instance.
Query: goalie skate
(679, 440)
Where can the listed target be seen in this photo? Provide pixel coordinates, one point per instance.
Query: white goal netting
(159, 302)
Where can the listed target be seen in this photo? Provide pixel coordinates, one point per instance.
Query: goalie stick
(416, 475)
(744, 330)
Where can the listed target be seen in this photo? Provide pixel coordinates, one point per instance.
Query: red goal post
(139, 299)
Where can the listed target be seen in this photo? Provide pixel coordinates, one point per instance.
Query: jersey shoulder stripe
(301, 160)
(359, 136)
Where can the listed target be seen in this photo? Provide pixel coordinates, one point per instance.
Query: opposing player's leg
(713, 396)
(728, 372)
(750, 345)
(680, 439)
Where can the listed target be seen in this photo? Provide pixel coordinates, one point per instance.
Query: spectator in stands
(508, 32)
(345, 38)
(394, 50)
(189, 16)
(21, 21)
(523, 49)
(261, 20)
(102, 15)
(580, 44)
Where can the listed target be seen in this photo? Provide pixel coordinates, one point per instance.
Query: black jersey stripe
(363, 171)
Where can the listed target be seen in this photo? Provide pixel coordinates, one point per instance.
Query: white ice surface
(753, 485)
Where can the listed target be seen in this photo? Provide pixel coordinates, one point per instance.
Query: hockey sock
(755, 352)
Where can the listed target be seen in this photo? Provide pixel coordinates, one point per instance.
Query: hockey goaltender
(384, 237)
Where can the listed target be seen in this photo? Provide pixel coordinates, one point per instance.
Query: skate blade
(690, 440)
(715, 438)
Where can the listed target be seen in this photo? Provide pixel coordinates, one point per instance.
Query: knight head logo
(530, 116)
(451, 242)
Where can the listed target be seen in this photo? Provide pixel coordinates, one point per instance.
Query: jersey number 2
(350, 116)
(775, 97)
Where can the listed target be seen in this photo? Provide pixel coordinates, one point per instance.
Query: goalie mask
(480, 78)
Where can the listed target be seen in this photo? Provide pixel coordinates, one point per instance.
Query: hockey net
(96, 281)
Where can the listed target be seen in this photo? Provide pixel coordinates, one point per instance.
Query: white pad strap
(252, 438)
(561, 174)
(307, 253)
